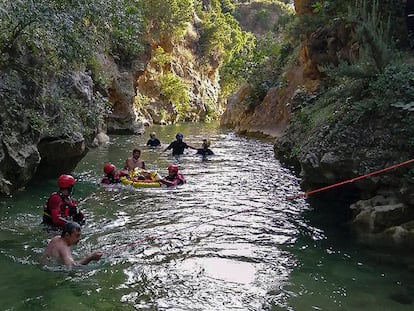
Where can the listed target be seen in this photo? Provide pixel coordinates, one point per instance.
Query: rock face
(184, 64)
(19, 159)
(123, 118)
(382, 220)
(339, 148)
(303, 7)
(60, 155)
(268, 119)
(25, 152)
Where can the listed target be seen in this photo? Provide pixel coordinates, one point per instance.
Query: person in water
(204, 150)
(173, 178)
(61, 208)
(178, 145)
(111, 175)
(153, 141)
(134, 162)
(59, 247)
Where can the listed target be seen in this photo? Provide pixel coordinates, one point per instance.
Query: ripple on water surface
(227, 240)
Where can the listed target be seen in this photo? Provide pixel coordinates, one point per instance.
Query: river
(229, 239)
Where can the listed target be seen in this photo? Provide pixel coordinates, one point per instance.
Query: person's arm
(166, 182)
(66, 257)
(126, 166)
(55, 211)
(96, 255)
(143, 165)
(191, 147)
(169, 147)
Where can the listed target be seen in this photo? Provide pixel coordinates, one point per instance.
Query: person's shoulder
(55, 197)
(56, 240)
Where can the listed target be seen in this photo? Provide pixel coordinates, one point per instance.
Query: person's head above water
(136, 153)
(206, 143)
(179, 136)
(109, 168)
(172, 169)
(70, 227)
(65, 183)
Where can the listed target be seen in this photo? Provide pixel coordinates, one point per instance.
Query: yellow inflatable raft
(136, 180)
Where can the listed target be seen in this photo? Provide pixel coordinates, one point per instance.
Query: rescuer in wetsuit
(61, 208)
(178, 145)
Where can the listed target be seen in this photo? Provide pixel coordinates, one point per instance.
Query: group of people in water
(134, 167)
(61, 211)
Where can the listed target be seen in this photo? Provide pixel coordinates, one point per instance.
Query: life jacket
(177, 179)
(111, 179)
(68, 208)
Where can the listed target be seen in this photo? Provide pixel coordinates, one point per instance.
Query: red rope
(151, 238)
(349, 180)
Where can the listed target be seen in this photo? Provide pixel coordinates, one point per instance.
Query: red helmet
(108, 168)
(173, 168)
(65, 181)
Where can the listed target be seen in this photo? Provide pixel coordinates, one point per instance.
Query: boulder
(60, 155)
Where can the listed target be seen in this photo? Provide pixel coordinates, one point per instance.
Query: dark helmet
(65, 181)
(179, 136)
(109, 168)
(173, 168)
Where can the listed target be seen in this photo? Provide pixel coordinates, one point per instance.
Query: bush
(173, 89)
(394, 86)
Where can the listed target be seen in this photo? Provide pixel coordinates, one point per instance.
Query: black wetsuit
(153, 142)
(178, 147)
(204, 151)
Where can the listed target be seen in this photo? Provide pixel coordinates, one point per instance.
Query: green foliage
(221, 36)
(177, 92)
(259, 64)
(100, 77)
(42, 42)
(394, 86)
(161, 58)
(227, 6)
(141, 100)
(374, 34)
(167, 18)
(261, 61)
(212, 110)
(262, 17)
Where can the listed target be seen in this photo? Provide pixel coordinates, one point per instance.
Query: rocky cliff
(330, 143)
(48, 121)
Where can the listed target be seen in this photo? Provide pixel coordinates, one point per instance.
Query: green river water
(270, 254)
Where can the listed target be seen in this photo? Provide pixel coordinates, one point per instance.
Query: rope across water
(300, 195)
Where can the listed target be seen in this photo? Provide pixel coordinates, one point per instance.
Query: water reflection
(227, 240)
(217, 238)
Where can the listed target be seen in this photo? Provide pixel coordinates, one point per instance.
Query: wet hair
(136, 150)
(69, 227)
